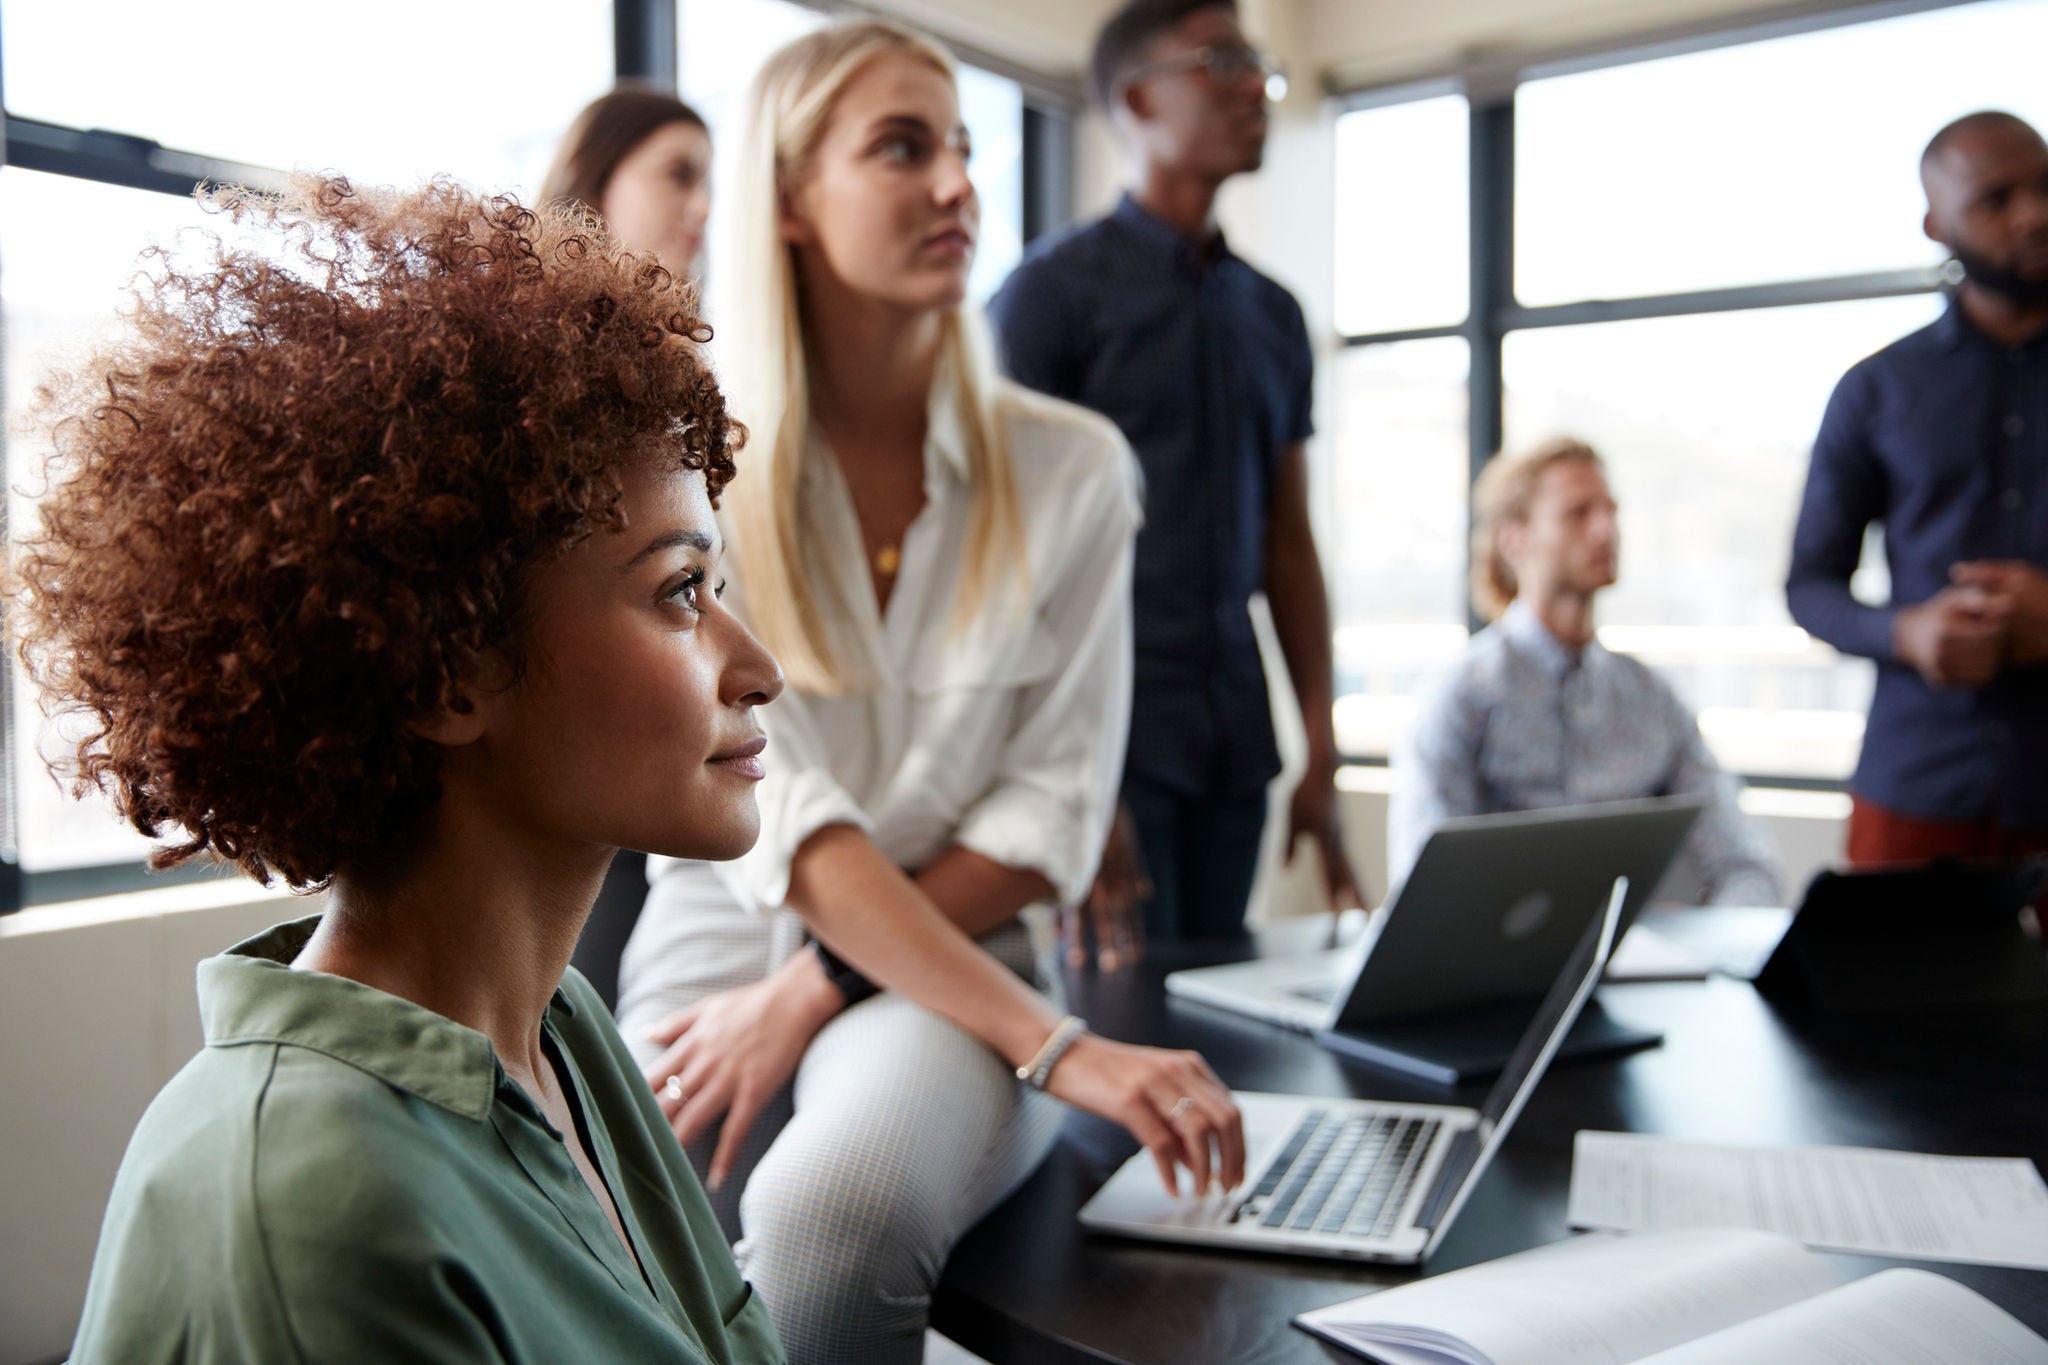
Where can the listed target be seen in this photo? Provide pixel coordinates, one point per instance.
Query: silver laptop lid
(1473, 1151)
(1496, 904)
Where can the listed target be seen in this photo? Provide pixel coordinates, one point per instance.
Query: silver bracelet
(1063, 1036)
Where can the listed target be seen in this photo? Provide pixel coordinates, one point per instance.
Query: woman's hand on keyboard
(1169, 1100)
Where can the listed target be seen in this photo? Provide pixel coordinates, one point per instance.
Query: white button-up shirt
(1004, 734)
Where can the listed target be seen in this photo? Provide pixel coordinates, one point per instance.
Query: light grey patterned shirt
(1525, 722)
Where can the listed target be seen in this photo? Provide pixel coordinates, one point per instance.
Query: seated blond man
(1538, 714)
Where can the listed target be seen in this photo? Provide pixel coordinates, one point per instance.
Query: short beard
(2010, 285)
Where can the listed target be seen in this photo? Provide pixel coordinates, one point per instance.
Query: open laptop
(1360, 1179)
(1443, 983)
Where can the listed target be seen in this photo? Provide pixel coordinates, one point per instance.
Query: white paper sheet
(1986, 1210)
(1895, 1317)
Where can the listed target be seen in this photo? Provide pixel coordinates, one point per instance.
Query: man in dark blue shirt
(1147, 316)
(1943, 438)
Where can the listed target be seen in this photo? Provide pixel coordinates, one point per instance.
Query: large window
(1788, 159)
(395, 91)
(1755, 208)
(387, 91)
(1398, 467)
(82, 239)
(253, 85)
(1704, 422)
(1401, 254)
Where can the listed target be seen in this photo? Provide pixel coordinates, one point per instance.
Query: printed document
(1985, 1210)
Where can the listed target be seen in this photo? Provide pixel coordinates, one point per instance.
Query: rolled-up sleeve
(1844, 494)
(1049, 804)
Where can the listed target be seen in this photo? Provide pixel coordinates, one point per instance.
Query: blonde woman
(942, 562)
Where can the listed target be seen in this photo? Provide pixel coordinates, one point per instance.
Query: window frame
(1490, 89)
(644, 37)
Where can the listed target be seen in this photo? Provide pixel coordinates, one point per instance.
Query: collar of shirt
(859, 631)
(1954, 330)
(1524, 630)
(252, 994)
(1169, 240)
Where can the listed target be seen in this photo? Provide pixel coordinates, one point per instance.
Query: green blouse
(345, 1176)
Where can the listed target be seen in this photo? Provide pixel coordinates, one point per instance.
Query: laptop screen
(1469, 1155)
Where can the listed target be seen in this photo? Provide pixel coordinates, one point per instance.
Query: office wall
(98, 1011)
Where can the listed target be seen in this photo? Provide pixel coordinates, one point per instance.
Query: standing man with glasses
(1149, 318)
(1942, 438)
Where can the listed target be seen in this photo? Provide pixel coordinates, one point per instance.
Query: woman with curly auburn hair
(386, 564)
(943, 563)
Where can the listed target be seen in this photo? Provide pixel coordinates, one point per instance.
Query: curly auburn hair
(297, 504)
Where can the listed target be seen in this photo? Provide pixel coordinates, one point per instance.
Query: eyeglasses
(1225, 64)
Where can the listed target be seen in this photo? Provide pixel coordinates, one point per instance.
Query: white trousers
(897, 1133)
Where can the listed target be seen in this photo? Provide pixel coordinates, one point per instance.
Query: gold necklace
(888, 559)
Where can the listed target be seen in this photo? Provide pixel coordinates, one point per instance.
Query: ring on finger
(673, 1088)
(1180, 1106)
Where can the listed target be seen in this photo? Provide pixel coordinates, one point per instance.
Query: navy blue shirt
(1204, 364)
(1943, 438)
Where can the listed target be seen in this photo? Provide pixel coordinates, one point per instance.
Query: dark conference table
(1029, 1284)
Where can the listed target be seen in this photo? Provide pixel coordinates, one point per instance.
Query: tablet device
(1946, 935)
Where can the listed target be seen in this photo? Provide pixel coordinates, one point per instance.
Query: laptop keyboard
(1348, 1173)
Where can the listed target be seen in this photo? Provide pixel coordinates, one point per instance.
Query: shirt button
(2014, 426)
(2013, 500)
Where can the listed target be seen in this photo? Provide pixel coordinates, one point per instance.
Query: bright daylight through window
(1752, 164)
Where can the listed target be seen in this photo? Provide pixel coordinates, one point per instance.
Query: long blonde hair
(761, 362)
